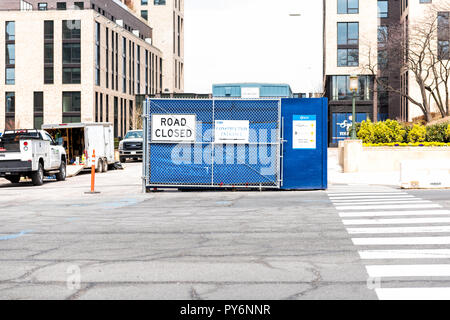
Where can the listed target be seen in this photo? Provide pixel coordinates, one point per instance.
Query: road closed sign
(173, 128)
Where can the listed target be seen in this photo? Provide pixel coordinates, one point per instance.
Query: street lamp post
(354, 89)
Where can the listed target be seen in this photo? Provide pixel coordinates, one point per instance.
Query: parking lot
(58, 242)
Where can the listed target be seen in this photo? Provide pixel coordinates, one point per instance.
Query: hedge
(391, 132)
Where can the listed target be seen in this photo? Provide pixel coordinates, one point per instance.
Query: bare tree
(415, 49)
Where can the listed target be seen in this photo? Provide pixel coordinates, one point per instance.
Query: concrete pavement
(58, 243)
(172, 245)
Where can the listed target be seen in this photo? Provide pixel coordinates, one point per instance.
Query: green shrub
(418, 133)
(381, 132)
(366, 132)
(437, 133)
(448, 132)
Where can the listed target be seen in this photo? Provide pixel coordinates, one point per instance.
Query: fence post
(145, 115)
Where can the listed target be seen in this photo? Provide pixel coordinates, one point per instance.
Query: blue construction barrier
(235, 143)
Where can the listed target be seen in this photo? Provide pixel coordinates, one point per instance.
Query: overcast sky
(253, 41)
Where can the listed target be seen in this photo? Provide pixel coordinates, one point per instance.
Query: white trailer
(80, 140)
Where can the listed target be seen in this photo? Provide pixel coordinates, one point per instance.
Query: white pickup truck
(33, 154)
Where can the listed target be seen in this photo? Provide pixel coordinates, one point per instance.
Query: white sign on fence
(173, 127)
(232, 131)
(304, 135)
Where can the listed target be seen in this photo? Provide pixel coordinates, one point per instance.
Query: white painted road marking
(400, 241)
(396, 221)
(405, 254)
(437, 229)
(413, 293)
(388, 207)
(425, 270)
(393, 213)
(367, 194)
(383, 202)
(356, 201)
(356, 198)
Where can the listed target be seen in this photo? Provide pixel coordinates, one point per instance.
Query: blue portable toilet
(252, 90)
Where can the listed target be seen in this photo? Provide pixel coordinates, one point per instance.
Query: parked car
(131, 146)
(33, 154)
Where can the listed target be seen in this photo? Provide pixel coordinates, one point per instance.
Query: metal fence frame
(147, 143)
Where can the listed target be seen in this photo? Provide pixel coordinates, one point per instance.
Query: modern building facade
(353, 35)
(360, 33)
(74, 61)
(415, 14)
(166, 17)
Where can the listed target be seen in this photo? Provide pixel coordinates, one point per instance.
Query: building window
(96, 107)
(116, 117)
(107, 108)
(130, 120)
(383, 7)
(348, 33)
(101, 107)
(71, 29)
(348, 6)
(79, 5)
(348, 41)
(107, 58)
(144, 14)
(71, 75)
(71, 107)
(10, 52)
(71, 52)
(48, 51)
(97, 54)
(61, 6)
(144, 2)
(124, 65)
(159, 2)
(38, 109)
(443, 36)
(42, 6)
(10, 110)
(138, 69)
(340, 88)
(48, 75)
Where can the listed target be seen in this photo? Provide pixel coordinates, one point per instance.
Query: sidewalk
(336, 176)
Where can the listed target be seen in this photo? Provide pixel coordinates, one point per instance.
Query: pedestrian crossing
(403, 240)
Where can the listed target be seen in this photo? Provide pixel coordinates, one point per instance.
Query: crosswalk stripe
(405, 254)
(356, 198)
(384, 202)
(396, 221)
(366, 194)
(388, 207)
(413, 293)
(400, 241)
(438, 229)
(393, 213)
(426, 270)
(375, 199)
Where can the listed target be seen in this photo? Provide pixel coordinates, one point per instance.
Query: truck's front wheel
(61, 175)
(38, 176)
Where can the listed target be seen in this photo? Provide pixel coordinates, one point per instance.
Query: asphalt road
(56, 242)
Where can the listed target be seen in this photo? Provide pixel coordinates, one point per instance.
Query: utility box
(238, 144)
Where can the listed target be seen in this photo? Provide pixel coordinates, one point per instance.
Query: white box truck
(80, 140)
